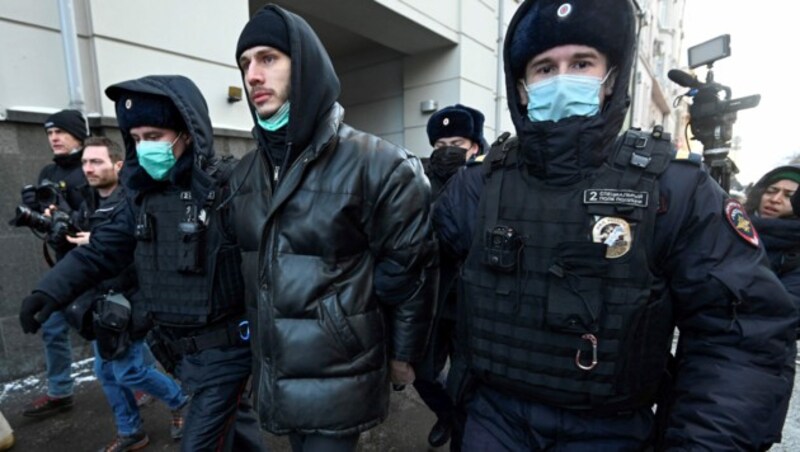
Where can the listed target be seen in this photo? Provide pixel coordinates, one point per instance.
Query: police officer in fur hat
(456, 134)
(582, 252)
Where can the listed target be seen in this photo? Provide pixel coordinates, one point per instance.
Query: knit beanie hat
(784, 173)
(266, 28)
(70, 121)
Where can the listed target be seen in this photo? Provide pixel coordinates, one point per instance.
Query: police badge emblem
(615, 233)
(738, 219)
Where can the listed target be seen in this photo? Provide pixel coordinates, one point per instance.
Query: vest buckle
(592, 340)
(639, 160)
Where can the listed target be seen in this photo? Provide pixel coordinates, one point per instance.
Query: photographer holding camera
(60, 183)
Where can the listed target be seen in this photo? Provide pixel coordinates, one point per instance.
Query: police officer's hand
(28, 195)
(36, 309)
(401, 373)
(80, 238)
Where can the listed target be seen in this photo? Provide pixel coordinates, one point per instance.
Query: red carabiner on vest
(593, 340)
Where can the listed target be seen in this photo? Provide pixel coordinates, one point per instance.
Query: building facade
(398, 61)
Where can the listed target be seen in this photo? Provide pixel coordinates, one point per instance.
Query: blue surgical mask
(279, 119)
(156, 157)
(563, 96)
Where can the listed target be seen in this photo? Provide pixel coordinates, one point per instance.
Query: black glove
(36, 309)
(28, 195)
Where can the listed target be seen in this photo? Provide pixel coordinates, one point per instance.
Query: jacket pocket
(575, 287)
(333, 319)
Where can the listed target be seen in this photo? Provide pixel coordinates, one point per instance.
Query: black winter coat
(781, 237)
(337, 258)
(66, 172)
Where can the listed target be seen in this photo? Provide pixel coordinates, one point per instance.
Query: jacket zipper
(269, 261)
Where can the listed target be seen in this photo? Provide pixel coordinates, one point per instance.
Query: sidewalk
(89, 425)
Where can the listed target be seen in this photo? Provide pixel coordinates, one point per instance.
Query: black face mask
(447, 160)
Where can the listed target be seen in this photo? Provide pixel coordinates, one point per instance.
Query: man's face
(61, 142)
(567, 59)
(775, 202)
(148, 133)
(461, 142)
(100, 171)
(267, 76)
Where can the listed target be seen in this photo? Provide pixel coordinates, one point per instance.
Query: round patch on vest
(615, 233)
(128, 104)
(738, 219)
(564, 10)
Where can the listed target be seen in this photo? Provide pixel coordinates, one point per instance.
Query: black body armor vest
(188, 276)
(564, 307)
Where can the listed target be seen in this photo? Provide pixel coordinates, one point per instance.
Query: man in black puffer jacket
(337, 245)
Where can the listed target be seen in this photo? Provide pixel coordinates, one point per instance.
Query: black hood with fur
(567, 151)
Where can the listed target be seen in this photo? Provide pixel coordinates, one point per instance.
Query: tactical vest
(563, 307)
(186, 277)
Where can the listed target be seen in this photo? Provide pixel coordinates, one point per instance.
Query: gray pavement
(90, 425)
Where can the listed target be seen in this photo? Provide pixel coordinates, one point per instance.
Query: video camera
(712, 112)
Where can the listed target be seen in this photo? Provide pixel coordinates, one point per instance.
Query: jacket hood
(190, 167)
(754, 196)
(314, 84)
(573, 146)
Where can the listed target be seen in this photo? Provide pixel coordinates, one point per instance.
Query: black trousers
(432, 393)
(220, 416)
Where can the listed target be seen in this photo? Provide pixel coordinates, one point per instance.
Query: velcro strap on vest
(640, 154)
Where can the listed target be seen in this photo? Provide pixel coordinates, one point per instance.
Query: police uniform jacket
(113, 243)
(736, 321)
(336, 240)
